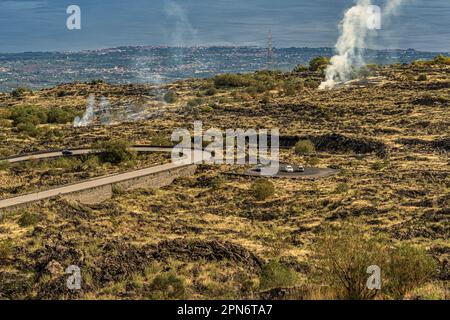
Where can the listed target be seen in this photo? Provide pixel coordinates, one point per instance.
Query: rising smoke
(354, 33)
(88, 115)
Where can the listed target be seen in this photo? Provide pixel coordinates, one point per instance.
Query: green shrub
(28, 114)
(262, 189)
(304, 147)
(114, 151)
(167, 286)
(211, 91)
(342, 256)
(342, 188)
(60, 115)
(300, 68)
(319, 63)
(118, 191)
(341, 259)
(311, 83)
(6, 249)
(5, 165)
(293, 86)
(171, 97)
(379, 165)
(205, 181)
(233, 81)
(276, 275)
(161, 140)
(207, 109)
(20, 92)
(422, 77)
(195, 102)
(28, 219)
(27, 128)
(409, 268)
(313, 161)
(441, 60)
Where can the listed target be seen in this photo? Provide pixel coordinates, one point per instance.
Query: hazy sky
(40, 25)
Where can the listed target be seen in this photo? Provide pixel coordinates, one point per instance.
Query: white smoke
(354, 33)
(184, 34)
(391, 7)
(88, 115)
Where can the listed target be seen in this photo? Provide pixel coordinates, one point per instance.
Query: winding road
(116, 178)
(89, 184)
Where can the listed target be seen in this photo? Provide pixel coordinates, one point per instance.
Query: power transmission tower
(270, 60)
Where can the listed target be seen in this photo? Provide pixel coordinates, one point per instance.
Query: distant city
(158, 65)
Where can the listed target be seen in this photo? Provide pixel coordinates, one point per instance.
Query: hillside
(210, 235)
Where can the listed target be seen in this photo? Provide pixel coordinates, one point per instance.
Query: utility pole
(270, 61)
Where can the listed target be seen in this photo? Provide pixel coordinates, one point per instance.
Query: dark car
(67, 153)
(259, 167)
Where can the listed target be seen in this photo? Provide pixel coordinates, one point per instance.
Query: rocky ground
(207, 236)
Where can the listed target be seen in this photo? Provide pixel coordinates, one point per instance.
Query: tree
(319, 63)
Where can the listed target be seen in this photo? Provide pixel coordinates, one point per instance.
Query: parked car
(67, 153)
(289, 169)
(301, 169)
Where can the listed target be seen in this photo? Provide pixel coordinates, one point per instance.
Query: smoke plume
(88, 115)
(354, 33)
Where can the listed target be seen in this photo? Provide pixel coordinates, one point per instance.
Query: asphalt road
(105, 180)
(79, 152)
(93, 183)
(308, 173)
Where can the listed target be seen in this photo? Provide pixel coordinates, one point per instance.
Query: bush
(211, 91)
(311, 83)
(195, 102)
(28, 114)
(20, 92)
(379, 165)
(114, 151)
(319, 63)
(304, 147)
(300, 68)
(205, 181)
(292, 87)
(167, 286)
(171, 97)
(5, 165)
(27, 128)
(276, 275)
(441, 60)
(207, 109)
(59, 115)
(343, 256)
(262, 189)
(6, 249)
(341, 259)
(28, 219)
(409, 267)
(422, 77)
(233, 81)
(161, 140)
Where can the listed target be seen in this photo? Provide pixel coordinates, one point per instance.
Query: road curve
(93, 183)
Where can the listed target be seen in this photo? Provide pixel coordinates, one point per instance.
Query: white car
(301, 169)
(289, 169)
